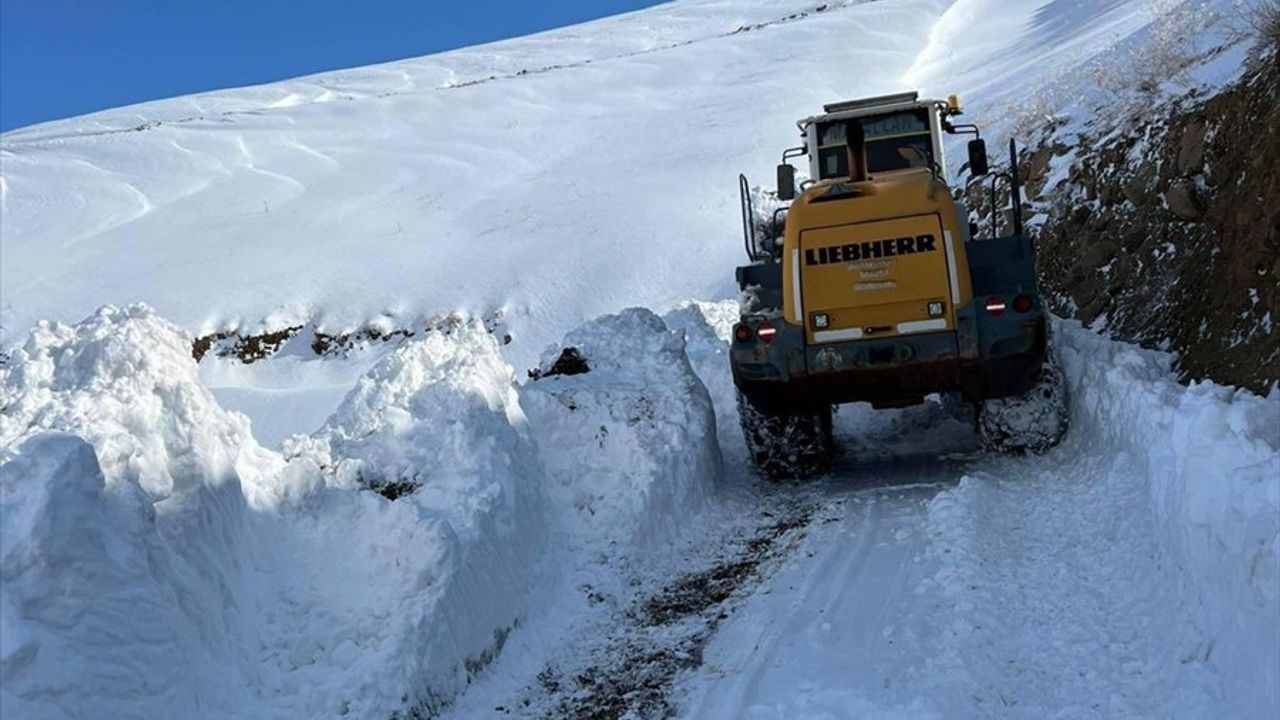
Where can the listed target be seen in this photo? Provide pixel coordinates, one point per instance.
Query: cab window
(894, 141)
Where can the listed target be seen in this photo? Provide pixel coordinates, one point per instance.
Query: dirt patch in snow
(662, 635)
(249, 348)
(570, 362)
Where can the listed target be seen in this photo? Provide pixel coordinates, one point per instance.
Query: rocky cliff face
(1164, 227)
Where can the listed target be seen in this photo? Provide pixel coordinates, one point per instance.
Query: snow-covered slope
(159, 557)
(594, 171)
(555, 177)
(551, 178)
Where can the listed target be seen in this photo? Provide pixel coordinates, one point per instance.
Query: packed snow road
(964, 587)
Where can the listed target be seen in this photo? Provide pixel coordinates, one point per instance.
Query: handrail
(1016, 190)
(1013, 177)
(748, 217)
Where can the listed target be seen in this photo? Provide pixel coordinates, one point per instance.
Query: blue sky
(60, 58)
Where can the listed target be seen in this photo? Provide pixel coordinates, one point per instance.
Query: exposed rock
(250, 348)
(1182, 201)
(1037, 171)
(1168, 229)
(1191, 151)
(570, 362)
(1137, 189)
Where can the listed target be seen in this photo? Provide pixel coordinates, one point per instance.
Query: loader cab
(900, 132)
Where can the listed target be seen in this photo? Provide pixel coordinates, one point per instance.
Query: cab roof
(868, 106)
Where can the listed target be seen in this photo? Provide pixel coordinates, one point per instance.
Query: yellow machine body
(871, 259)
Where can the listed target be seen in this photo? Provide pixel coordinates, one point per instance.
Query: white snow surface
(635, 437)
(1209, 457)
(157, 560)
(162, 554)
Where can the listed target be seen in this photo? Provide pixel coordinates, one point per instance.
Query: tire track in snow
(971, 587)
(631, 671)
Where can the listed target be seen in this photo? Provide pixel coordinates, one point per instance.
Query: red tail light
(1022, 304)
(742, 333)
(766, 331)
(995, 305)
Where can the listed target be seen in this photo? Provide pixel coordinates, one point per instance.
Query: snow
(1210, 456)
(235, 577)
(210, 540)
(634, 437)
(124, 380)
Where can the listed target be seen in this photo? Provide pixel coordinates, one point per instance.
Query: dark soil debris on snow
(664, 634)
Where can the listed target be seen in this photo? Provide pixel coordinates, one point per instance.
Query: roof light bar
(894, 99)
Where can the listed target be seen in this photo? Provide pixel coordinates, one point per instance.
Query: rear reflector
(766, 331)
(742, 333)
(995, 305)
(1022, 304)
(916, 326)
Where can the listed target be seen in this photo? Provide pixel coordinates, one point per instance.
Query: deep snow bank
(86, 623)
(438, 421)
(126, 581)
(630, 445)
(1211, 456)
(157, 561)
(707, 328)
(196, 574)
(124, 380)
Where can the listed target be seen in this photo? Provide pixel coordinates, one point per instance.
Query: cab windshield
(895, 141)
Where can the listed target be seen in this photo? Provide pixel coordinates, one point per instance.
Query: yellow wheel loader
(869, 283)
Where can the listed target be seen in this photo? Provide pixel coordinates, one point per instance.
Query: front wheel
(1033, 422)
(787, 446)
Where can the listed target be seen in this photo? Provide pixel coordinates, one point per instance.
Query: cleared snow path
(1021, 588)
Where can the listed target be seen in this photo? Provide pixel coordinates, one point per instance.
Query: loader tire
(786, 447)
(1034, 422)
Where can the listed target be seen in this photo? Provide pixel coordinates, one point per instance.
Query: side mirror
(786, 182)
(978, 157)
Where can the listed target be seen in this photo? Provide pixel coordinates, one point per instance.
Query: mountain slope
(602, 177)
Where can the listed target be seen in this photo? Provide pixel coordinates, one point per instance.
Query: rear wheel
(956, 407)
(786, 446)
(1033, 422)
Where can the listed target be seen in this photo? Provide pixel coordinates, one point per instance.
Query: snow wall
(1211, 456)
(635, 436)
(155, 560)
